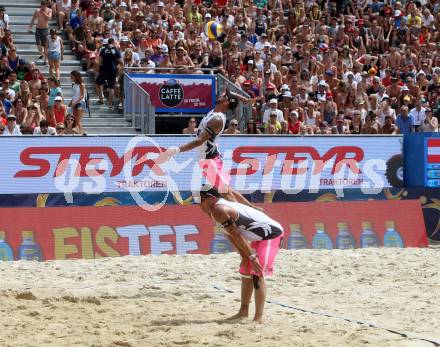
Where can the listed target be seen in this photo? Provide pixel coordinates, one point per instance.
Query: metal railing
(243, 112)
(172, 70)
(137, 107)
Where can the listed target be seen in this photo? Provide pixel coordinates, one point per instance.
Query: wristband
(253, 256)
(173, 150)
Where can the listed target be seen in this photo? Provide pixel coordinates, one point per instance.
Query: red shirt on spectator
(294, 128)
(221, 3)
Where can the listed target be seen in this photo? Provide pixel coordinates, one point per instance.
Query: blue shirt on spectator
(7, 105)
(405, 124)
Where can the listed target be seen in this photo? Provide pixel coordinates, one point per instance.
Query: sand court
(173, 300)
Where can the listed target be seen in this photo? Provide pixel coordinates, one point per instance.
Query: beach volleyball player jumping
(210, 159)
(256, 236)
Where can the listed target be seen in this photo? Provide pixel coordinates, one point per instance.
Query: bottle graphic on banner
(368, 236)
(5, 250)
(220, 244)
(344, 240)
(29, 249)
(296, 238)
(321, 240)
(392, 237)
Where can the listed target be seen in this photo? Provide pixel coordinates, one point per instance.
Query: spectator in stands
(252, 128)
(273, 123)
(20, 111)
(389, 128)
(232, 129)
(43, 15)
(430, 123)
(24, 93)
(4, 19)
(5, 70)
(70, 126)
(273, 109)
(59, 111)
(7, 104)
(404, 121)
(110, 59)
(44, 129)
(11, 127)
(32, 120)
(60, 129)
(55, 53)
(78, 103)
(192, 127)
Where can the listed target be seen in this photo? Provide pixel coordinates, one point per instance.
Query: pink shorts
(266, 252)
(212, 170)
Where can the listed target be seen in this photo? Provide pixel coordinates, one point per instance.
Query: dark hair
(76, 76)
(253, 129)
(44, 123)
(73, 123)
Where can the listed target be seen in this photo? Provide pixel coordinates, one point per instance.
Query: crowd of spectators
(32, 102)
(311, 67)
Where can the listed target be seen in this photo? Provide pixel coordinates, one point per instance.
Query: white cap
(385, 96)
(404, 88)
(250, 61)
(122, 4)
(294, 113)
(287, 94)
(322, 83)
(164, 48)
(208, 15)
(124, 38)
(273, 101)
(134, 6)
(105, 41)
(285, 87)
(267, 44)
(160, 4)
(177, 26)
(58, 98)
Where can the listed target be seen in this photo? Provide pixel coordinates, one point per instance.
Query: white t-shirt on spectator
(180, 36)
(4, 21)
(266, 115)
(418, 116)
(50, 131)
(273, 67)
(14, 132)
(135, 56)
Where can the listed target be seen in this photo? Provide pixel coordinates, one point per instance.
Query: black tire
(394, 171)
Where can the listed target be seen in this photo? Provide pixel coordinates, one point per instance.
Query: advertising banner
(292, 165)
(422, 160)
(178, 93)
(95, 232)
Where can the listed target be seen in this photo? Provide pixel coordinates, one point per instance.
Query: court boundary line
(347, 319)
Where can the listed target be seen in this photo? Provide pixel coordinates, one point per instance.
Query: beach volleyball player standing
(210, 160)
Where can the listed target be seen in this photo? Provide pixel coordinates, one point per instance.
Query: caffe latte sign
(171, 93)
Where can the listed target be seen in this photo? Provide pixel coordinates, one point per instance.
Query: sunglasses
(70, 119)
(234, 124)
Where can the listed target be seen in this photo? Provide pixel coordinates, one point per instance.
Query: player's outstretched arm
(214, 127)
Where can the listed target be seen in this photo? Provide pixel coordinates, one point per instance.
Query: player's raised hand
(166, 155)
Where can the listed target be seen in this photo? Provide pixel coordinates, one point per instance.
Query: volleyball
(213, 30)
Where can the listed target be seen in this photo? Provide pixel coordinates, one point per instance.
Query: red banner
(94, 232)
